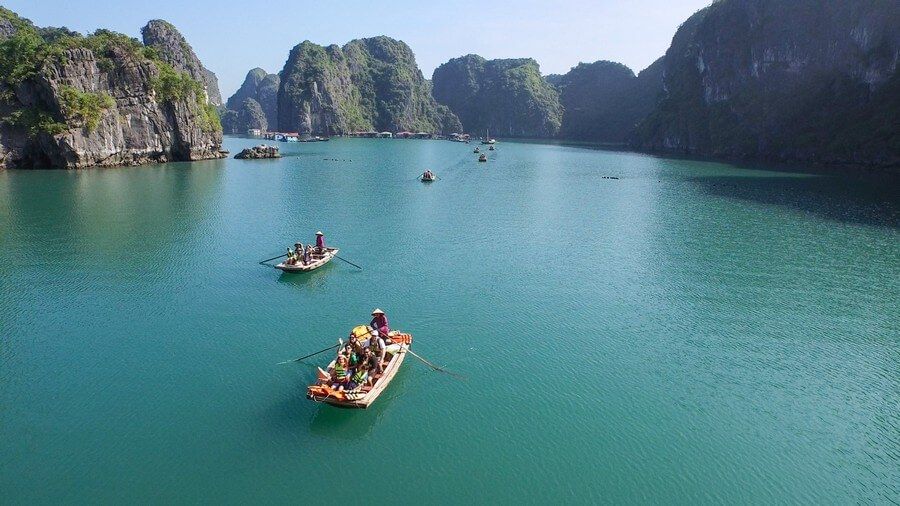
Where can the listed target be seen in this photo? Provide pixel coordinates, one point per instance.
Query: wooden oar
(349, 262)
(273, 258)
(436, 368)
(310, 355)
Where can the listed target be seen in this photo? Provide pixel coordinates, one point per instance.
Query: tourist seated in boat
(307, 254)
(373, 365)
(356, 342)
(320, 242)
(298, 253)
(340, 376)
(359, 376)
(291, 258)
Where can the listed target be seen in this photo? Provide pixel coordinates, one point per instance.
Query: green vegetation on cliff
(27, 50)
(73, 101)
(506, 97)
(368, 84)
(84, 107)
(603, 101)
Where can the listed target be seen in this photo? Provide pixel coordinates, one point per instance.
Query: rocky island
(368, 84)
(71, 101)
(257, 152)
(254, 104)
(507, 98)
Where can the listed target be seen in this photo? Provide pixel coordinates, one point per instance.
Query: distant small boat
(428, 178)
(477, 150)
(482, 158)
(491, 148)
(314, 139)
(487, 139)
(316, 262)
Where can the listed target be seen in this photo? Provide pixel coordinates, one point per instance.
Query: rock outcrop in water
(261, 88)
(174, 50)
(257, 152)
(72, 101)
(368, 84)
(804, 80)
(508, 98)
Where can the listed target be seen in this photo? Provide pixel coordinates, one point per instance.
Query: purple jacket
(380, 323)
(320, 241)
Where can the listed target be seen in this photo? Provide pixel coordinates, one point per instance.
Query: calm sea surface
(691, 332)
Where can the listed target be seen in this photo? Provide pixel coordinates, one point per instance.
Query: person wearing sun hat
(320, 242)
(380, 323)
(378, 342)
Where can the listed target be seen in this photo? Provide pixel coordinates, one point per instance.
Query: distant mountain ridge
(367, 84)
(801, 80)
(254, 104)
(604, 101)
(507, 98)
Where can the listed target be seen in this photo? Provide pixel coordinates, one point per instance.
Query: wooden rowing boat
(362, 397)
(316, 262)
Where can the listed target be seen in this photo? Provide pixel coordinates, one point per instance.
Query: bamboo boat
(364, 396)
(482, 158)
(426, 179)
(316, 262)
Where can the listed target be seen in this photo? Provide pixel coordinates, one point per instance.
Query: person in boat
(376, 352)
(298, 252)
(320, 242)
(380, 324)
(340, 377)
(371, 362)
(354, 351)
(291, 259)
(359, 376)
(307, 254)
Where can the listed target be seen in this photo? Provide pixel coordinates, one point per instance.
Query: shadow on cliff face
(872, 200)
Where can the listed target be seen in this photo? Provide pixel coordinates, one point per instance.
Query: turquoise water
(691, 332)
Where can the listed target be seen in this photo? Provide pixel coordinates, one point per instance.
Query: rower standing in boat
(380, 324)
(320, 242)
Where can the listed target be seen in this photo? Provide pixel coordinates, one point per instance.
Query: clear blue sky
(232, 37)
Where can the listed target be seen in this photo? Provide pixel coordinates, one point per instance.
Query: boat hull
(330, 253)
(362, 400)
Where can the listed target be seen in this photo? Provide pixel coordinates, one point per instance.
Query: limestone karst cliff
(73, 101)
(367, 84)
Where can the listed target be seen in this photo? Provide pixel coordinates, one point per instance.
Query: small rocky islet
(258, 152)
